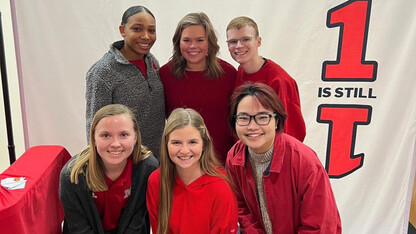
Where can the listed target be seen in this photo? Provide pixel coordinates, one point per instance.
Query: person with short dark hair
(280, 183)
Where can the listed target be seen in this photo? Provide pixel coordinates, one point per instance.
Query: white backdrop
(362, 128)
(14, 96)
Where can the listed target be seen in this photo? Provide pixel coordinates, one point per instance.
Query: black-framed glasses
(243, 40)
(260, 119)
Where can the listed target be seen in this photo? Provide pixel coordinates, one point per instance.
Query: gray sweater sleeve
(97, 95)
(74, 199)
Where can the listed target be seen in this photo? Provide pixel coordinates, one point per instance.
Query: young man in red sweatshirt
(243, 42)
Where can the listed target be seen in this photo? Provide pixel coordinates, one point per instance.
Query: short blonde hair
(242, 21)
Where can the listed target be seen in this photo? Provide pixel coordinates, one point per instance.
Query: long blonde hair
(90, 163)
(212, 67)
(209, 164)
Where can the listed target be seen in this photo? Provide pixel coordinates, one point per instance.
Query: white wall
(13, 84)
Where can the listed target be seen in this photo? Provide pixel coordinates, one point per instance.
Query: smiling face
(185, 147)
(194, 47)
(115, 139)
(139, 35)
(244, 52)
(259, 138)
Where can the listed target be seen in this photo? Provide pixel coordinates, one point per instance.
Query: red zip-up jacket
(297, 190)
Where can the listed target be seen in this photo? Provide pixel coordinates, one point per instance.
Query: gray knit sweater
(114, 80)
(259, 163)
(81, 214)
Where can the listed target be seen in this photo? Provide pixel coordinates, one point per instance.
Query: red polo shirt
(110, 203)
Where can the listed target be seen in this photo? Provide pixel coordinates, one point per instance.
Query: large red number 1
(353, 18)
(343, 121)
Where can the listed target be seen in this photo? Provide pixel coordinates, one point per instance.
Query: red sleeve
(319, 212)
(289, 95)
(224, 211)
(248, 223)
(295, 125)
(152, 199)
(166, 77)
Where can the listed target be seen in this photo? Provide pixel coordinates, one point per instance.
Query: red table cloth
(36, 208)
